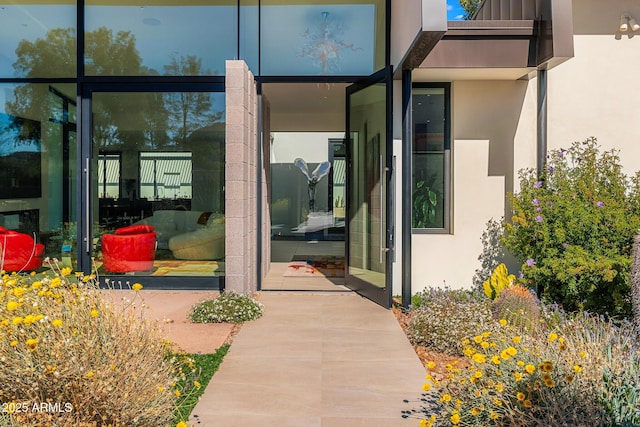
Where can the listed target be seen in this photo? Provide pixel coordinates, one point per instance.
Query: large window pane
(249, 33)
(168, 38)
(159, 161)
(37, 171)
(331, 39)
(430, 158)
(38, 40)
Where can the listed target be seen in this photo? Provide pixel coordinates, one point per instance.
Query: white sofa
(191, 235)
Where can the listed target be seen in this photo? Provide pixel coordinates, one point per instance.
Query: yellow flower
(547, 366)
(17, 320)
(56, 323)
(36, 285)
(552, 337)
(18, 292)
(29, 319)
(527, 403)
(549, 383)
(65, 271)
(577, 369)
(494, 416)
(13, 343)
(426, 387)
(477, 374)
(475, 412)
(479, 358)
(505, 354)
(89, 374)
(516, 339)
(431, 365)
(445, 398)
(520, 363)
(484, 345)
(511, 351)
(530, 369)
(94, 313)
(177, 393)
(495, 360)
(181, 424)
(583, 354)
(12, 305)
(503, 322)
(160, 389)
(32, 344)
(499, 387)
(520, 396)
(455, 418)
(136, 287)
(478, 339)
(517, 376)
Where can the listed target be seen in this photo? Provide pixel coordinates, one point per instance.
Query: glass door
(369, 154)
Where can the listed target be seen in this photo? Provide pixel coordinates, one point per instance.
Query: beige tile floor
(325, 359)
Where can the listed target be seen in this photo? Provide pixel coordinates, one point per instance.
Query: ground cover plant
(230, 307)
(564, 369)
(71, 358)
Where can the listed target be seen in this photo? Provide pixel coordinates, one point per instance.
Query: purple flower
(551, 169)
(600, 204)
(560, 153)
(565, 245)
(539, 218)
(520, 275)
(538, 209)
(530, 262)
(536, 202)
(537, 184)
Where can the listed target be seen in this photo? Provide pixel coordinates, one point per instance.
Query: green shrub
(573, 229)
(229, 307)
(442, 316)
(519, 307)
(63, 343)
(583, 373)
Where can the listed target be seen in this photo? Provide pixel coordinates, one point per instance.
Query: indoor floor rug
(185, 268)
(315, 265)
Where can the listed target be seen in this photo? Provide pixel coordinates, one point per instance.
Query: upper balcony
(505, 39)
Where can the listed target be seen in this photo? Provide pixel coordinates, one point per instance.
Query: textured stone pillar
(241, 173)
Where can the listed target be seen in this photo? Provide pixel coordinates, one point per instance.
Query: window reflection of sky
(208, 32)
(28, 22)
(455, 12)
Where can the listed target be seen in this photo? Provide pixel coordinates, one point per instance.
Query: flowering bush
(586, 376)
(441, 316)
(228, 307)
(573, 229)
(70, 358)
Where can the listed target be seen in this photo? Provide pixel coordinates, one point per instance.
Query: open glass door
(369, 222)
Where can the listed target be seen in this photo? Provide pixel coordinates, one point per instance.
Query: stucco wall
(596, 92)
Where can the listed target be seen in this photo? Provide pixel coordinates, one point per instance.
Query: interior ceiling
(452, 74)
(308, 107)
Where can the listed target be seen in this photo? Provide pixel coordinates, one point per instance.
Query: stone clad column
(241, 178)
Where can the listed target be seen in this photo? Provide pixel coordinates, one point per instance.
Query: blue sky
(454, 11)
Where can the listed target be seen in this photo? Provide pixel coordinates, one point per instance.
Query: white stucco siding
(451, 259)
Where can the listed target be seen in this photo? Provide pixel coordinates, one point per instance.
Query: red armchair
(19, 252)
(130, 249)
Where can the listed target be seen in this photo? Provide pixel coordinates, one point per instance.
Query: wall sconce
(627, 21)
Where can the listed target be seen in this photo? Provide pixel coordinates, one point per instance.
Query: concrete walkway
(314, 360)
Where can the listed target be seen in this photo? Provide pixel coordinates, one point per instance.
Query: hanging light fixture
(628, 22)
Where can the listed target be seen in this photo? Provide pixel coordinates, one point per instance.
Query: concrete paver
(316, 360)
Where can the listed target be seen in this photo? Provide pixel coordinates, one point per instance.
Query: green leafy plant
(229, 307)
(425, 201)
(573, 229)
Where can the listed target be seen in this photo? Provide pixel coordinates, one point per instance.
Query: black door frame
(381, 296)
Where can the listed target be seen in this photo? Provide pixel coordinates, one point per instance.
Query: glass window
(38, 174)
(37, 40)
(178, 38)
(324, 40)
(159, 161)
(431, 156)
(249, 34)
